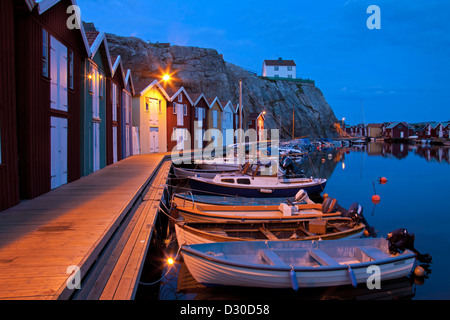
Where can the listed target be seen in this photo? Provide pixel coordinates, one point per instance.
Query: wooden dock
(101, 224)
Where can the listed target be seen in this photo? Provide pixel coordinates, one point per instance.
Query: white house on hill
(279, 69)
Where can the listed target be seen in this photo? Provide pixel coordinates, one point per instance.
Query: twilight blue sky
(400, 72)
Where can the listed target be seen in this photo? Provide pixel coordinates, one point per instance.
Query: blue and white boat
(295, 264)
(256, 186)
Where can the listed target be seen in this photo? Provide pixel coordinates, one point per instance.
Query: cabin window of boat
(243, 181)
(228, 180)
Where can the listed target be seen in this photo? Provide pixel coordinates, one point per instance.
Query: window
(45, 54)
(91, 80)
(185, 110)
(276, 76)
(243, 181)
(290, 76)
(289, 68)
(160, 106)
(180, 98)
(146, 106)
(175, 108)
(228, 180)
(101, 81)
(71, 70)
(276, 68)
(215, 118)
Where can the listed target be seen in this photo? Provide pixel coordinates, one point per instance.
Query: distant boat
(294, 264)
(302, 230)
(255, 186)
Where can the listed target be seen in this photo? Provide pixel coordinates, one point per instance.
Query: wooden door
(58, 146)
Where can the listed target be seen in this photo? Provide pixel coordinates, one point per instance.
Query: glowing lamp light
(90, 76)
(170, 262)
(166, 77)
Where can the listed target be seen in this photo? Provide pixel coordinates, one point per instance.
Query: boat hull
(202, 187)
(227, 270)
(187, 235)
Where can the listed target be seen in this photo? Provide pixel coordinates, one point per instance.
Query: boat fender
(352, 277)
(294, 281)
(329, 205)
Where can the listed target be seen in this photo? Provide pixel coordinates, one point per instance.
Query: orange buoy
(383, 180)
(376, 199)
(419, 271)
(325, 195)
(366, 233)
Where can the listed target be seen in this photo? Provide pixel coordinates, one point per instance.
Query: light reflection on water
(415, 198)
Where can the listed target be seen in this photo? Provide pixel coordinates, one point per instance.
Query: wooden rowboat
(269, 213)
(323, 229)
(295, 264)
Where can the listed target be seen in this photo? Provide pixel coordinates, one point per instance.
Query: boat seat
(271, 257)
(374, 253)
(322, 258)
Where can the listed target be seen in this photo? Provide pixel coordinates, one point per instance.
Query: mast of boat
(240, 148)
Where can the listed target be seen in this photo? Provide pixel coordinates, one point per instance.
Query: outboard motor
(355, 212)
(301, 196)
(401, 239)
(289, 167)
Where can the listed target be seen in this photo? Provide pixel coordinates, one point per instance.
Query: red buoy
(383, 180)
(376, 199)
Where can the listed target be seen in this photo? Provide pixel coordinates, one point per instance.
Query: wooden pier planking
(41, 238)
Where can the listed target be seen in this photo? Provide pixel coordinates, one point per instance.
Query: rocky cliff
(205, 70)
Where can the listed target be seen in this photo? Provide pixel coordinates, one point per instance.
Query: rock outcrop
(205, 70)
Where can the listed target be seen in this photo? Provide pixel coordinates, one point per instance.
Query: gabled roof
(143, 89)
(256, 115)
(227, 104)
(434, 125)
(44, 5)
(280, 62)
(238, 109)
(173, 92)
(196, 97)
(129, 79)
(394, 124)
(117, 66)
(96, 44)
(212, 101)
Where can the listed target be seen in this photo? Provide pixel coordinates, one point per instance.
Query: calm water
(415, 198)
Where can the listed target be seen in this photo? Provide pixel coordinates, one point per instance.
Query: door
(115, 158)
(58, 75)
(402, 134)
(58, 147)
(95, 146)
(154, 140)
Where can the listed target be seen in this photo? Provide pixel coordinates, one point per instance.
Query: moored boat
(262, 213)
(295, 264)
(302, 230)
(255, 186)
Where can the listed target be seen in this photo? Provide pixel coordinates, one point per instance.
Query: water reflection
(402, 151)
(322, 163)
